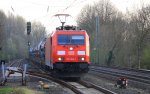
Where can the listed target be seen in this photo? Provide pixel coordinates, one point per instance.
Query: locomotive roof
(68, 27)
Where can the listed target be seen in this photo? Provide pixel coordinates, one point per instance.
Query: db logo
(71, 52)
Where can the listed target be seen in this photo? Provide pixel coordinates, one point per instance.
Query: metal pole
(28, 50)
(95, 60)
(97, 43)
(24, 74)
(3, 70)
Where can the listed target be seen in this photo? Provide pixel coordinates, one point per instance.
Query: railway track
(136, 76)
(12, 64)
(16, 63)
(126, 69)
(81, 87)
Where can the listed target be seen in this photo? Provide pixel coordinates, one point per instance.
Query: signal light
(28, 28)
(29, 43)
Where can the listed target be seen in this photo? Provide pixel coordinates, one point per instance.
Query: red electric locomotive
(67, 51)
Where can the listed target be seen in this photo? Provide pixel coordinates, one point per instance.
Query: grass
(6, 90)
(22, 90)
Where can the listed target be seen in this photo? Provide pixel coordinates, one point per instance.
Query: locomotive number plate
(70, 59)
(71, 53)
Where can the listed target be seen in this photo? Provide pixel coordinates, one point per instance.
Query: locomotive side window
(70, 39)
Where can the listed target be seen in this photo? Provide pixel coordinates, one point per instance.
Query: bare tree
(111, 28)
(38, 33)
(2, 27)
(13, 36)
(142, 29)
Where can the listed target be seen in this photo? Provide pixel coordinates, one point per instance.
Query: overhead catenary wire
(31, 3)
(48, 7)
(11, 6)
(12, 9)
(51, 14)
(73, 4)
(69, 5)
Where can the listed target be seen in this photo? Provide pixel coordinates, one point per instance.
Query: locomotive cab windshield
(71, 39)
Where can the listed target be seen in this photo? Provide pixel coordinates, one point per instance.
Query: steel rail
(67, 84)
(125, 72)
(89, 84)
(58, 81)
(14, 62)
(73, 88)
(127, 69)
(129, 76)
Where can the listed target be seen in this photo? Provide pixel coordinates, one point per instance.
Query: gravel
(103, 82)
(33, 84)
(98, 79)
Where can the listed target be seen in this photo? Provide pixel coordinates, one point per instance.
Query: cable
(12, 9)
(70, 5)
(47, 9)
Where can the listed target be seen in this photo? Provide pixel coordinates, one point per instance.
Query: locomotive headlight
(71, 48)
(82, 58)
(59, 59)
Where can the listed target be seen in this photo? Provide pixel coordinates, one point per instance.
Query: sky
(44, 10)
